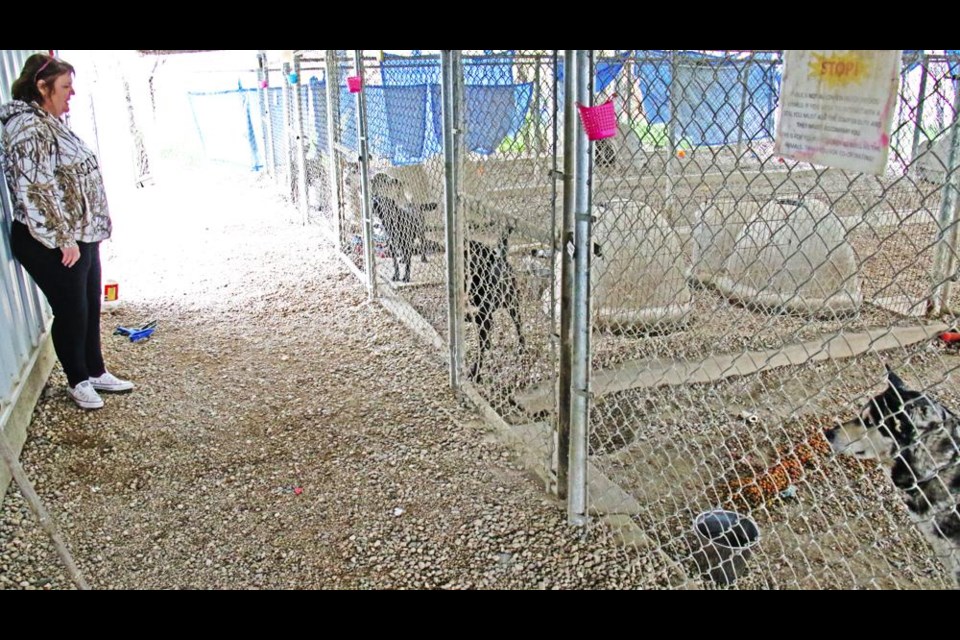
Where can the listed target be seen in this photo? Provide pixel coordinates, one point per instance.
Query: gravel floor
(285, 433)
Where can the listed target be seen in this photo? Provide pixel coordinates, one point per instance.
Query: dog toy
(136, 334)
(789, 492)
(950, 336)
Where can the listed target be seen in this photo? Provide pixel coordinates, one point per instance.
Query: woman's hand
(70, 255)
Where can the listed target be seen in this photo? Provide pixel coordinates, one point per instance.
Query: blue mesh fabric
(710, 93)
(605, 72)
(493, 114)
(225, 125)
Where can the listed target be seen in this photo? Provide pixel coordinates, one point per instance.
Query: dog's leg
(483, 318)
(513, 308)
(423, 244)
(422, 227)
(396, 263)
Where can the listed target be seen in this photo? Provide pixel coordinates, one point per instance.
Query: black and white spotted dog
(919, 440)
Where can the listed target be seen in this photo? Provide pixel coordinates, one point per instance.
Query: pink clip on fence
(599, 121)
(354, 83)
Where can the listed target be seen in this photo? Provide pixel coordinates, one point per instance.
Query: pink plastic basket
(354, 83)
(599, 121)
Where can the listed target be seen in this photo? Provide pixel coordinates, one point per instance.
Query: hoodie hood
(15, 108)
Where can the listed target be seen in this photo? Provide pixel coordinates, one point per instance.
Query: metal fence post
(367, 216)
(537, 128)
(744, 75)
(671, 131)
(566, 274)
(300, 149)
(333, 128)
(945, 260)
(918, 127)
(580, 400)
(451, 85)
(630, 80)
(287, 169)
(263, 94)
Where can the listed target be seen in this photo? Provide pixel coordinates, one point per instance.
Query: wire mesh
(743, 305)
(321, 206)
(510, 197)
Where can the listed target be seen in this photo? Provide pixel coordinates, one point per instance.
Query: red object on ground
(950, 336)
(297, 490)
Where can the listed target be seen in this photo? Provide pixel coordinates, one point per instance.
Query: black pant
(74, 297)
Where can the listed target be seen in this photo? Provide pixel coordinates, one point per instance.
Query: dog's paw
(474, 374)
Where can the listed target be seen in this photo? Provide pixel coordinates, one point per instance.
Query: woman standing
(60, 216)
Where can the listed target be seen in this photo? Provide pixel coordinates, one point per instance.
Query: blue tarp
(654, 77)
(396, 122)
(496, 69)
(494, 113)
(716, 107)
(403, 70)
(710, 93)
(224, 122)
(605, 72)
(318, 105)
(399, 111)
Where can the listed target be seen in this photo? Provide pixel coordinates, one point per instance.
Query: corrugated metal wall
(24, 314)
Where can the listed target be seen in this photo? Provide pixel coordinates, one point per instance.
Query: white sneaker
(111, 383)
(85, 395)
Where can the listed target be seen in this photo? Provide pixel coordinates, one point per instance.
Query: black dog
(919, 441)
(491, 285)
(404, 225)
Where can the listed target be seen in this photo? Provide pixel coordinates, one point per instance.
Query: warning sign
(837, 107)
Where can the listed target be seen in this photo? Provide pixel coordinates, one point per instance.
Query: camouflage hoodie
(54, 178)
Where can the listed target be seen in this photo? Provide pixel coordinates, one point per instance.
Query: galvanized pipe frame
(566, 251)
(300, 149)
(333, 127)
(288, 176)
(921, 101)
(263, 97)
(575, 329)
(276, 125)
(944, 267)
(454, 152)
(581, 320)
(366, 213)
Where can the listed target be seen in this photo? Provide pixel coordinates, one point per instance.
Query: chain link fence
(741, 305)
